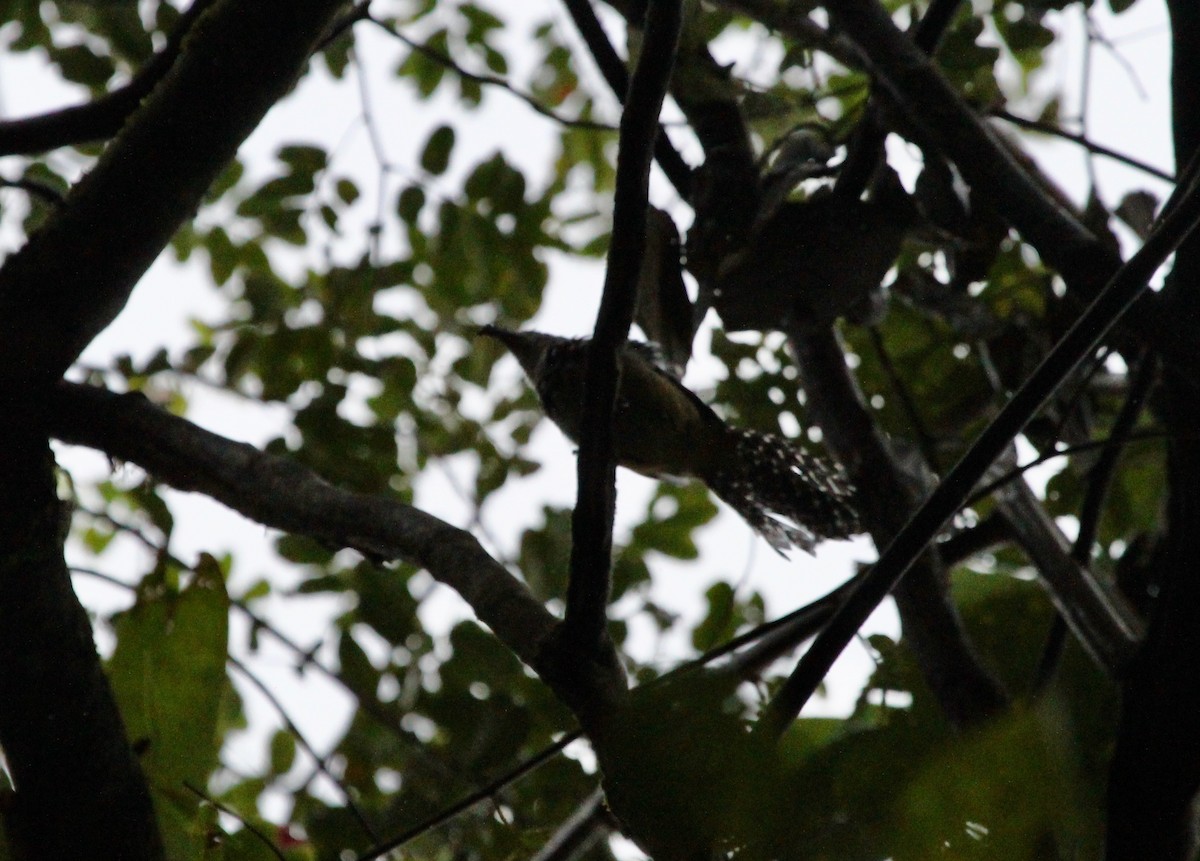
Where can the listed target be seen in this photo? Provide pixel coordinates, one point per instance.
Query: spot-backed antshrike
(660, 428)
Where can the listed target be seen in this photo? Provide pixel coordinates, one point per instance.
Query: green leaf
(82, 65)
(1003, 791)
(168, 676)
(435, 158)
(283, 752)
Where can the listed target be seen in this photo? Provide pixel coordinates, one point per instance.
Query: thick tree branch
(966, 690)
(1099, 618)
(949, 496)
(103, 117)
(591, 527)
(1155, 771)
(930, 105)
(285, 495)
(76, 273)
(77, 781)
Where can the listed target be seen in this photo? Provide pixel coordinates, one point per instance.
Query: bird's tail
(788, 496)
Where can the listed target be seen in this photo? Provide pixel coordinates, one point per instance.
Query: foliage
(345, 302)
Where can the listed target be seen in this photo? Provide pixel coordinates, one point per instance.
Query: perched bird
(787, 495)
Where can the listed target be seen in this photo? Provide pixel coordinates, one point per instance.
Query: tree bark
(1155, 773)
(76, 781)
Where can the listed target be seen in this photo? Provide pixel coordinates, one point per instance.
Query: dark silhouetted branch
(965, 689)
(75, 274)
(591, 526)
(103, 117)
(486, 80)
(612, 67)
(1098, 149)
(930, 105)
(283, 494)
(948, 497)
(76, 781)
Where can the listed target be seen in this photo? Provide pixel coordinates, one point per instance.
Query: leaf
(168, 676)
(435, 158)
(82, 65)
(1003, 791)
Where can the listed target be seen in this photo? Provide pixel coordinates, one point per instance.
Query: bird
(661, 429)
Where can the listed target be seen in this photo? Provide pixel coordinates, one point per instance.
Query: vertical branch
(76, 780)
(1155, 771)
(591, 526)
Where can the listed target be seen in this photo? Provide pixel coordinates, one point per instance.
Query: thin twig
(488, 80)
(991, 487)
(466, 803)
(614, 72)
(247, 824)
(1090, 146)
(294, 732)
(925, 440)
(41, 190)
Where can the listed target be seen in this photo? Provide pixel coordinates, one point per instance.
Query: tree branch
(76, 779)
(1155, 771)
(1099, 618)
(930, 105)
(285, 495)
(578, 833)
(612, 67)
(1097, 149)
(965, 689)
(591, 526)
(103, 117)
(484, 79)
(1118, 295)
(76, 273)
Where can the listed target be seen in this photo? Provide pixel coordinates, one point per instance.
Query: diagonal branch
(930, 104)
(282, 494)
(484, 79)
(614, 72)
(76, 273)
(1116, 297)
(1100, 618)
(103, 117)
(965, 689)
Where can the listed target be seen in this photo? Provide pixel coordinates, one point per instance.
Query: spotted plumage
(789, 496)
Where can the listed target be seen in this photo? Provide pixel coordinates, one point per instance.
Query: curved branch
(103, 117)
(76, 273)
(614, 72)
(1081, 140)
(484, 79)
(963, 686)
(932, 107)
(283, 494)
